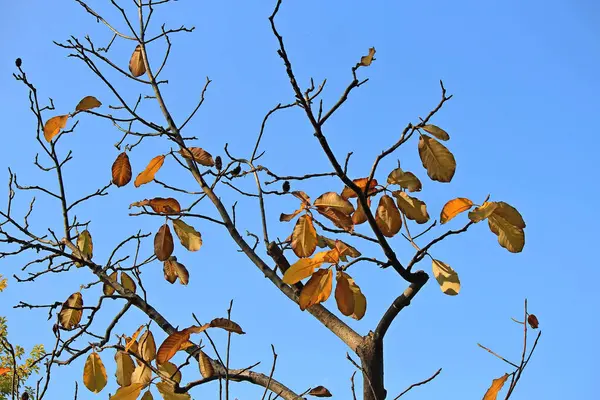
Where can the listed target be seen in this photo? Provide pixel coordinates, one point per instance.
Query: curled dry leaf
(482, 212)
(359, 216)
(171, 345)
(189, 237)
(163, 243)
(147, 346)
(288, 217)
(106, 288)
(305, 267)
(365, 61)
(303, 197)
(317, 289)
(199, 155)
(348, 193)
(304, 237)
(206, 368)
(132, 341)
(121, 170)
(136, 63)
(413, 208)
(492, 392)
(125, 368)
(446, 277)
(454, 207)
(85, 246)
(94, 373)
(533, 321)
(173, 269)
(436, 131)
(320, 391)
(388, 217)
(128, 392)
(406, 180)
(127, 282)
(345, 250)
(147, 175)
(87, 103)
(508, 224)
(53, 126)
(226, 324)
(169, 370)
(437, 159)
(71, 311)
(334, 201)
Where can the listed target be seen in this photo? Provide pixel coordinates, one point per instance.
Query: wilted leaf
(412, 207)
(189, 237)
(147, 347)
(388, 217)
(317, 289)
(147, 175)
(85, 246)
(360, 301)
(305, 267)
(121, 170)
(141, 374)
(87, 103)
(170, 371)
(206, 368)
(163, 243)
(437, 159)
(334, 201)
(492, 392)
(339, 219)
(348, 193)
(508, 224)
(54, 125)
(304, 237)
(136, 63)
(320, 391)
(171, 345)
(226, 324)
(127, 282)
(482, 212)
(167, 206)
(201, 156)
(454, 207)
(365, 61)
(125, 368)
(130, 392)
(303, 197)
(533, 321)
(446, 277)
(94, 373)
(359, 216)
(71, 312)
(173, 269)
(437, 132)
(288, 217)
(168, 392)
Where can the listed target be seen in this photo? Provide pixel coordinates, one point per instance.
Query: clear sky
(525, 85)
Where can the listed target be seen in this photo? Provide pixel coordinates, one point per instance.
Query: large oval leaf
(121, 170)
(360, 216)
(334, 201)
(130, 392)
(339, 219)
(94, 373)
(436, 131)
(348, 193)
(317, 289)
(127, 282)
(136, 63)
(147, 175)
(305, 267)
(85, 246)
(437, 159)
(147, 347)
(169, 370)
(454, 207)
(508, 225)
(189, 237)
(125, 368)
(71, 311)
(304, 237)
(446, 277)
(163, 243)
(406, 180)
(168, 206)
(388, 217)
(206, 368)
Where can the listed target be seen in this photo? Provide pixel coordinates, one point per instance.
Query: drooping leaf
(127, 282)
(334, 201)
(406, 180)
(339, 219)
(482, 212)
(136, 63)
(343, 295)
(436, 131)
(170, 269)
(85, 246)
(437, 159)
(359, 216)
(454, 207)
(365, 61)
(320, 391)
(508, 224)
(106, 288)
(170, 371)
(171, 345)
(189, 237)
(53, 126)
(163, 243)
(87, 103)
(227, 324)
(94, 373)
(125, 368)
(121, 170)
(360, 301)
(201, 156)
(71, 311)
(533, 321)
(206, 368)
(305, 267)
(348, 193)
(304, 237)
(147, 175)
(147, 347)
(412, 207)
(492, 392)
(130, 392)
(141, 374)
(446, 277)
(317, 289)
(167, 391)
(388, 217)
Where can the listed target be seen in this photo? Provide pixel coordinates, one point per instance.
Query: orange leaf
(492, 392)
(317, 289)
(533, 321)
(152, 168)
(4, 371)
(303, 197)
(304, 237)
(304, 267)
(131, 341)
(87, 103)
(454, 207)
(201, 156)
(163, 243)
(54, 125)
(171, 345)
(348, 193)
(167, 206)
(136, 63)
(121, 170)
(343, 295)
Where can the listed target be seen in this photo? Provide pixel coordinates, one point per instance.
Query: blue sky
(524, 79)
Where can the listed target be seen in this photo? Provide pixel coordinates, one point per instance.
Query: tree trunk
(371, 355)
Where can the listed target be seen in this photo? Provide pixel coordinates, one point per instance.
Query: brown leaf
(533, 321)
(85, 246)
(317, 289)
(206, 368)
(227, 324)
(348, 193)
(136, 63)
(147, 396)
(305, 267)
(121, 170)
(168, 206)
(125, 368)
(304, 237)
(334, 201)
(171, 345)
(406, 180)
(201, 156)
(360, 301)
(482, 212)
(53, 126)
(339, 219)
(492, 392)
(320, 391)
(189, 237)
(436, 131)
(365, 61)
(454, 207)
(147, 175)
(437, 159)
(446, 277)
(412, 207)
(359, 216)
(508, 225)
(169, 269)
(94, 373)
(344, 297)
(303, 197)
(388, 217)
(87, 103)
(127, 282)
(288, 217)
(167, 391)
(147, 346)
(71, 312)
(345, 249)
(163, 243)
(106, 288)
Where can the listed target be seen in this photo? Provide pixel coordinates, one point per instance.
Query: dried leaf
(360, 301)
(171, 345)
(304, 237)
(343, 295)
(482, 212)
(365, 61)
(436, 131)
(446, 277)
(121, 170)
(167, 391)
(147, 346)
(437, 159)
(127, 282)
(533, 321)
(201, 156)
(388, 217)
(71, 312)
(85, 246)
(406, 180)
(163, 243)
(339, 219)
(53, 126)
(492, 392)
(130, 392)
(147, 396)
(508, 225)
(334, 201)
(317, 289)
(412, 207)
(4, 370)
(125, 368)
(168, 206)
(227, 324)
(320, 391)
(348, 193)
(359, 216)
(147, 175)
(170, 371)
(136, 63)
(303, 197)
(87, 103)
(288, 217)
(454, 207)
(345, 249)
(132, 342)
(169, 269)
(94, 373)
(206, 368)
(305, 267)
(141, 374)
(189, 237)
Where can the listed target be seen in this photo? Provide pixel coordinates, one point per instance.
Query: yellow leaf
(206, 368)
(226, 324)
(492, 392)
(71, 312)
(121, 170)
(94, 373)
(147, 175)
(125, 368)
(482, 212)
(437, 159)
(171, 345)
(168, 392)
(304, 237)
(136, 63)
(317, 289)
(305, 267)
(170, 371)
(365, 61)
(53, 126)
(106, 288)
(454, 207)
(85, 246)
(141, 374)
(131, 342)
(163, 243)
(446, 277)
(388, 217)
(87, 103)
(348, 193)
(339, 219)
(320, 391)
(508, 225)
(360, 301)
(406, 180)
(201, 156)
(412, 207)
(127, 282)
(130, 392)
(437, 132)
(189, 237)
(147, 347)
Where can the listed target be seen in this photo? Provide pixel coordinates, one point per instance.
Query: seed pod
(218, 163)
(18, 63)
(236, 171)
(286, 186)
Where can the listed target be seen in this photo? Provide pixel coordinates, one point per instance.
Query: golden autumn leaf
(201, 156)
(446, 277)
(147, 346)
(348, 193)
(94, 373)
(171, 345)
(508, 224)
(85, 246)
(206, 368)
(127, 282)
(406, 180)
(317, 289)
(168, 370)
(492, 392)
(339, 219)
(189, 237)
(147, 396)
(130, 392)
(365, 61)
(167, 391)
(320, 391)
(71, 311)
(343, 295)
(147, 175)
(454, 207)
(388, 217)
(413, 208)
(437, 159)
(482, 212)
(106, 288)
(163, 243)
(136, 63)
(304, 237)
(132, 341)
(436, 131)
(533, 321)
(87, 103)
(125, 368)
(360, 301)
(121, 170)
(53, 126)
(141, 374)
(334, 201)
(305, 267)
(359, 216)
(4, 370)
